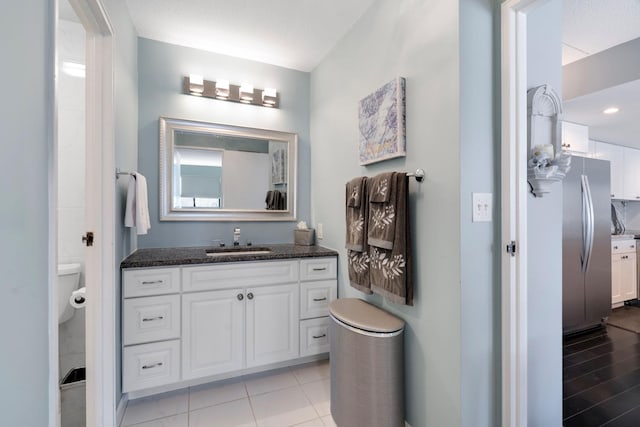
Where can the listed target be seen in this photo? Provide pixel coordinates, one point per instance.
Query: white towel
(137, 209)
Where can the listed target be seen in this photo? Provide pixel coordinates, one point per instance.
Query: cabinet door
(272, 324)
(614, 154)
(616, 278)
(212, 332)
(628, 276)
(631, 173)
(575, 138)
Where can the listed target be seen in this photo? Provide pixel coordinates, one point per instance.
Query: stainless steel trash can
(367, 365)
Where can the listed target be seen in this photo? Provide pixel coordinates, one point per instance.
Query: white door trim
(99, 201)
(514, 207)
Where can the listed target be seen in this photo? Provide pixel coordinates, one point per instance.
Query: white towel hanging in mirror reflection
(137, 208)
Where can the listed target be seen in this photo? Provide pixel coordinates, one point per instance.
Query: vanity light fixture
(611, 110)
(224, 91)
(196, 84)
(246, 93)
(269, 97)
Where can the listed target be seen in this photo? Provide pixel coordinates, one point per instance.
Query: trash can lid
(362, 315)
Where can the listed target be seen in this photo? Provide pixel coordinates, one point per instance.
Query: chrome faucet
(236, 236)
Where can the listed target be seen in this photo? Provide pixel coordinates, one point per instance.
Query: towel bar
(418, 174)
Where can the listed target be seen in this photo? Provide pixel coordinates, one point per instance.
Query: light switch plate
(320, 231)
(482, 207)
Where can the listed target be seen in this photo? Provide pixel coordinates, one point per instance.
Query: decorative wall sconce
(547, 163)
(222, 90)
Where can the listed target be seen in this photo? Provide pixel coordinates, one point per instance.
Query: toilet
(68, 281)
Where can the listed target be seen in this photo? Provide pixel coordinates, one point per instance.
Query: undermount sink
(216, 252)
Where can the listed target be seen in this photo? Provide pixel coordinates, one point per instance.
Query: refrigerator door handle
(587, 223)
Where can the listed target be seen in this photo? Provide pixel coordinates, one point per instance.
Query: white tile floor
(297, 396)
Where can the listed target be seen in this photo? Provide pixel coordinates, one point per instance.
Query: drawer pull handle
(152, 319)
(250, 295)
(155, 365)
(153, 282)
(240, 297)
(320, 269)
(319, 336)
(615, 247)
(320, 299)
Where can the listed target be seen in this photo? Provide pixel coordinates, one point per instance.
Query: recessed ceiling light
(611, 110)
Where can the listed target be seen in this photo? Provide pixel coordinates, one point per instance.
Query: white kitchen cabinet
(272, 324)
(615, 155)
(631, 174)
(575, 138)
(623, 271)
(212, 332)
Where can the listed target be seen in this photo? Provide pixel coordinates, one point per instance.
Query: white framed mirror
(218, 172)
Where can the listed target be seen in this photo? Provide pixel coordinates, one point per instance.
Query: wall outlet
(482, 207)
(320, 231)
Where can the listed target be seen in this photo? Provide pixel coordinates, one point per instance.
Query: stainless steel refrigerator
(586, 245)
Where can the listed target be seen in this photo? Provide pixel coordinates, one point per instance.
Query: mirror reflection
(221, 172)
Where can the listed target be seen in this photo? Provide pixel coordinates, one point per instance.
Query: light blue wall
(544, 52)
(480, 255)
(126, 141)
(161, 72)
(419, 41)
(26, 136)
(27, 141)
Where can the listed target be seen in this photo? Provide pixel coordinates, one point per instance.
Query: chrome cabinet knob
(250, 295)
(240, 297)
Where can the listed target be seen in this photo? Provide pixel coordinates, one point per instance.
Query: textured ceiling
(290, 33)
(591, 26)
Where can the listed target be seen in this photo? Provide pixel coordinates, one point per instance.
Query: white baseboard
(122, 405)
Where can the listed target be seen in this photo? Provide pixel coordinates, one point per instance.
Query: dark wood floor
(601, 379)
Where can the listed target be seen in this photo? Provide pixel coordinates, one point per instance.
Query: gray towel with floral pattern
(382, 210)
(390, 270)
(356, 213)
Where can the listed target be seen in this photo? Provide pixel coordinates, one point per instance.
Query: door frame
(514, 193)
(99, 218)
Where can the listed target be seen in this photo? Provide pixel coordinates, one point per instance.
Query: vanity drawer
(150, 365)
(151, 319)
(315, 298)
(318, 268)
(622, 246)
(314, 336)
(150, 281)
(238, 274)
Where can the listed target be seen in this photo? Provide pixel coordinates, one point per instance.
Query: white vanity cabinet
(272, 324)
(623, 271)
(224, 319)
(213, 332)
(317, 289)
(150, 328)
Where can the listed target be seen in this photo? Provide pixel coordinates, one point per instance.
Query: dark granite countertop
(162, 257)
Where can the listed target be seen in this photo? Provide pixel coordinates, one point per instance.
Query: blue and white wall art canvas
(382, 123)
